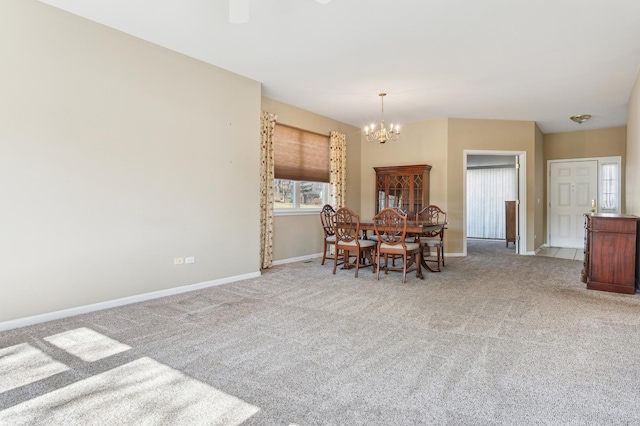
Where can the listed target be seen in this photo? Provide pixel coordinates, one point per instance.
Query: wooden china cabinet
(406, 187)
(610, 252)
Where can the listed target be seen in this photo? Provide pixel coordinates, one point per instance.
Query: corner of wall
(632, 175)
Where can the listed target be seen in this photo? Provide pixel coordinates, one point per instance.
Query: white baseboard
(544, 245)
(296, 259)
(455, 255)
(528, 253)
(65, 313)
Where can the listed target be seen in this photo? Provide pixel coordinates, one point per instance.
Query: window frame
(607, 161)
(296, 210)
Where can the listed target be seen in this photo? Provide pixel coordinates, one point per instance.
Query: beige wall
(441, 143)
(540, 225)
(596, 143)
(633, 151)
(585, 144)
(299, 236)
(116, 157)
(419, 143)
(496, 135)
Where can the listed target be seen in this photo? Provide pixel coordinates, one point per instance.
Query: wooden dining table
(413, 227)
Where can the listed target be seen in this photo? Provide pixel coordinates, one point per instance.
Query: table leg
(423, 262)
(410, 261)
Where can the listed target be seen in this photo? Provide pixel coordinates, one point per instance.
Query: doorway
(515, 161)
(576, 187)
(572, 187)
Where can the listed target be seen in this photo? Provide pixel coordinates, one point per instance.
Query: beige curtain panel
(267, 125)
(338, 169)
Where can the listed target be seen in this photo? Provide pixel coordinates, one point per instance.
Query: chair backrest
(433, 214)
(326, 215)
(346, 225)
(402, 212)
(390, 226)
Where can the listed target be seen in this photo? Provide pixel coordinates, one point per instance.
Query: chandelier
(382, 134)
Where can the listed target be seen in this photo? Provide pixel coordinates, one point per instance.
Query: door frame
(600, 160)
(521, 239)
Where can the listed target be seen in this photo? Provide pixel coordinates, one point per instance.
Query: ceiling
(541, 60)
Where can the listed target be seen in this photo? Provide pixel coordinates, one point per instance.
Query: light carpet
(494, 339)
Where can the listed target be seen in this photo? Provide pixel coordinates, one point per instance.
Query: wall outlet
(178, 260)
(190, 259)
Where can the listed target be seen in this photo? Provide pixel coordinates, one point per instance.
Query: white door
(572, 187)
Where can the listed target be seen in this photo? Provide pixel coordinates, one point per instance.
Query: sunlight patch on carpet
(142, 392)
(23, 364)
(86, 344)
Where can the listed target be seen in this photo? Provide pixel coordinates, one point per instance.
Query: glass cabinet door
(381, 193)
(418, 195)
(399, 192)
(406, 187)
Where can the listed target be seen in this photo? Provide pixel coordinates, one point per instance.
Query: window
(609, 187)
(301, 170)
(293, 194)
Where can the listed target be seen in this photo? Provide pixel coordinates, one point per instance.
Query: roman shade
(300, 155)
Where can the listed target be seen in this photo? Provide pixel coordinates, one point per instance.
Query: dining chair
(346, 228)
(433, 239)
(391, 229)
(326, 215)
(374, 237)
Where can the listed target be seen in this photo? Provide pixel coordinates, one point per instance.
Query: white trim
(543, 246)
(455, 254)
(296, 212)
(298, 259)
(65, 313)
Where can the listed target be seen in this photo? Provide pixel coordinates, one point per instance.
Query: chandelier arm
(382, 135)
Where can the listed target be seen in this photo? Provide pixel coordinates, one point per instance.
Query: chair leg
(418, 266)
(404, 269)
(378, 266)
(357, 263)
(373, 263)
(324, 253)
(442, 250)
(335, 260)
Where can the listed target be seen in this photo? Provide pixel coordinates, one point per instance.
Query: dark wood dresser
(610, 252)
